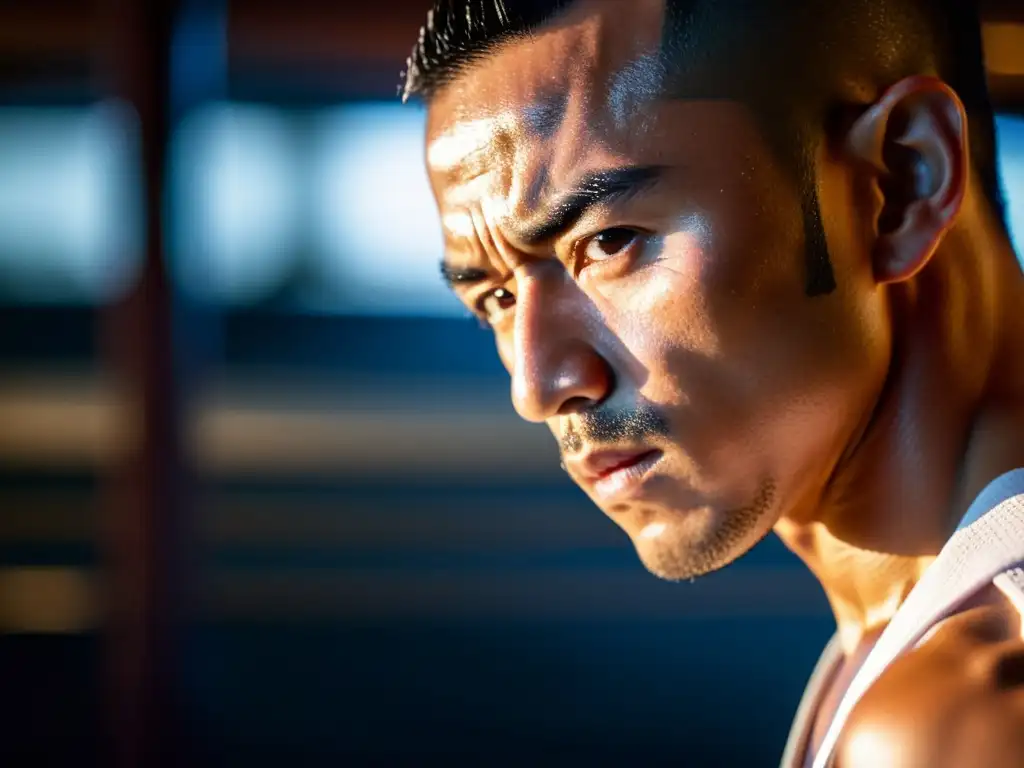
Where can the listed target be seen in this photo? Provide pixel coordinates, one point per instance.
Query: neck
(948, 422)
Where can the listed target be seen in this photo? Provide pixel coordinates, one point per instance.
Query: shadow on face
(641, 260)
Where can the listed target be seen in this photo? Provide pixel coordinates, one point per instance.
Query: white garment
(987, 548)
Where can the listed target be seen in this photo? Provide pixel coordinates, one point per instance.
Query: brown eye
(604, 245)
(493, 305)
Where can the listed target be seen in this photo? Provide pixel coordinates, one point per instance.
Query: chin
(671, 564)
(703, 541)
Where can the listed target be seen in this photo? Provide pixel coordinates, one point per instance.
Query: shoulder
(957, 700)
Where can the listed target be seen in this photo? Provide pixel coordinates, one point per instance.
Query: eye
(492, 306)
(607, 244)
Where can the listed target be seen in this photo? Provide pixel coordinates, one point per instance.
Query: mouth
(614, 475)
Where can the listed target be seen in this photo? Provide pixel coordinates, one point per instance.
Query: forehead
(584, 79)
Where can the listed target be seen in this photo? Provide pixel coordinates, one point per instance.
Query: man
(747, 261)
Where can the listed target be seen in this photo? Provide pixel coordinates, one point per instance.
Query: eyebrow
(462, 275)
(598, 188)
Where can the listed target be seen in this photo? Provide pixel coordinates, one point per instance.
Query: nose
(556, 370)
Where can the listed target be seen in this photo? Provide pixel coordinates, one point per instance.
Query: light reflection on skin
(633, 88)
(679, 254)
(458, 223)
(653, 530)
(871, 746)
(697, 225)
(464, 140)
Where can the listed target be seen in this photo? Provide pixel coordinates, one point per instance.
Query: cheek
(661, 305)
(764, 377)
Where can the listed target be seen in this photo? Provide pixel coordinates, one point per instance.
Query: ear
(914, 139)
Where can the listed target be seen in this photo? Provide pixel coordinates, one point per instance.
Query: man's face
(641, 262)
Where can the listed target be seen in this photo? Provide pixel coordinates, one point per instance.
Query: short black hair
(812, 42)
(459, 32)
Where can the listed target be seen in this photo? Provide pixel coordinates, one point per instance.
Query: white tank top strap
(803, 721)
(988, 547)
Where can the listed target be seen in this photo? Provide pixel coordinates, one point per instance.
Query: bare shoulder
(958, 700)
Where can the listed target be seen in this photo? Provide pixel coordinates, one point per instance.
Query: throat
(865, 588)
(864, 607)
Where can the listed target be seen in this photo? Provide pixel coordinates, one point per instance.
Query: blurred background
(262, 494)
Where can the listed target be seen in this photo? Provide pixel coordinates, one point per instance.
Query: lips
(602, 464)
(615, 476)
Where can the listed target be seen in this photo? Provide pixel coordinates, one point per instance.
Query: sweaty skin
(701, 314)
(641, 261)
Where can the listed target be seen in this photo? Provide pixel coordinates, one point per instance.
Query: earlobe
(914, 142)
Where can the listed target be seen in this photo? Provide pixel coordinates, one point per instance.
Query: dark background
(377, 564)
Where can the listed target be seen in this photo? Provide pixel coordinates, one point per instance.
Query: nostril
(575, 405)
